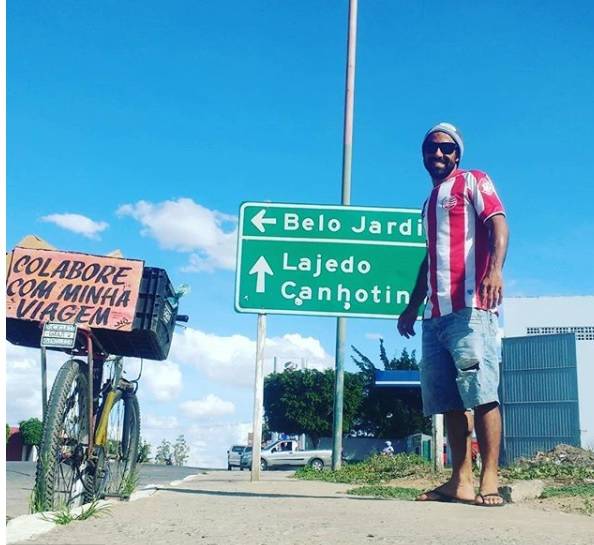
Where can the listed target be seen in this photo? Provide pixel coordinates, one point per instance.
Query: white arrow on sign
(259, 220)
(261, 268)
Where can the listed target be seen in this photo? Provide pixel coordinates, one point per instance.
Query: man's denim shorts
(460, 362)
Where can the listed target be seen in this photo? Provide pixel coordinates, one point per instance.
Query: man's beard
(440, 172)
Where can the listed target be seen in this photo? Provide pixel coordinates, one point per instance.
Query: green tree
(164, 452)
(31, 431)
(144, 451)
(302, 401)
(390, 412)
(181, 451)
(7, 433)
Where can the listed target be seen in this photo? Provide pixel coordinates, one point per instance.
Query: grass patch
(393, 492)
(568, 473)
(35, 503)
(129, 484)
(585, 490)
(376, 470)
(65, 515)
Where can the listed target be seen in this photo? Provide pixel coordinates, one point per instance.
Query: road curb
(145, 492)
(25, 527)
(185, 479)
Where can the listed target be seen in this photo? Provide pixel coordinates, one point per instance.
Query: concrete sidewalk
(222, 508)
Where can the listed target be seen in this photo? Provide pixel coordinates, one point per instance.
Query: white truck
(286, 452)
(234, 456)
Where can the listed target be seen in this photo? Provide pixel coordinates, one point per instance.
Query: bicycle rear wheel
(116, 460)
(61, 479)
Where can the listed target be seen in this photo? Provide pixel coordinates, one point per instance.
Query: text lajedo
(320, 264)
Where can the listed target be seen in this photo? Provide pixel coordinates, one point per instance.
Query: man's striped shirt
(454, 218)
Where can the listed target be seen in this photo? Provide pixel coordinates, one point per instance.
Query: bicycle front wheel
(116, 459)
(61, 479)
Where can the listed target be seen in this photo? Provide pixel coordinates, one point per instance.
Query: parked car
(286, 452)
(234, 456)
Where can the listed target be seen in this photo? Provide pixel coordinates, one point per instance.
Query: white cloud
(23, 381)
(231, 359)
(186, 226)
(157, 422)
(77, 223)
(162, 378)
(374, 336)
(207, 407)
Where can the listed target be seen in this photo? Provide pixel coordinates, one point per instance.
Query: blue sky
(155, 122)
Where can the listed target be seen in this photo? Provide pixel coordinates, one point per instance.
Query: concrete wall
(549, 315)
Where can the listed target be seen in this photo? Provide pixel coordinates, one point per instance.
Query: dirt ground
(225, 508)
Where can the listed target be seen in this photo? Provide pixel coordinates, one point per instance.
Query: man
(461, 277)
(388, 450)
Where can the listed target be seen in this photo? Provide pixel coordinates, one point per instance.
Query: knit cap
(451, 131)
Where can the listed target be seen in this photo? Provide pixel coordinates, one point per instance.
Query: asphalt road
(20, 477)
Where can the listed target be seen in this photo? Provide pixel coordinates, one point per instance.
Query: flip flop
(445, 498)
(485, 504)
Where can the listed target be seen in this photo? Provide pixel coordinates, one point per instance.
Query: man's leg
(459, 431)
(488, 432)
(440, 395)
(460, 485)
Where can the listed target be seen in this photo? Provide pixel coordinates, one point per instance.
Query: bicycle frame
(98, 430)
(100, 438)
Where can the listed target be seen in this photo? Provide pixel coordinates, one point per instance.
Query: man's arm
(407, 319)
(491, 289)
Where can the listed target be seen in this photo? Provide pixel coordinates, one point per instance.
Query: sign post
(437, 431)
(258, 398)
(43, 382)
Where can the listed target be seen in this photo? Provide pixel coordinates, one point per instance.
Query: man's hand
(406, 322)
(491, 290)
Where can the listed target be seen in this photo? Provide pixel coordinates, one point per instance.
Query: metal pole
(43, 382)
(258, 398)
(349, 102)
(338, 394)
(90, 393)
(437, 454)
(347, 155)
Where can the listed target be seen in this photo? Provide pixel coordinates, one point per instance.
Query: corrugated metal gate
(539, 394)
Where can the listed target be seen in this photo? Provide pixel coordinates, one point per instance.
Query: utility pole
(347, 156)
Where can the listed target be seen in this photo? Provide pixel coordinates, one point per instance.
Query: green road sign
(327, 260)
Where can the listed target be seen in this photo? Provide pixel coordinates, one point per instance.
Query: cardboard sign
(48, 285)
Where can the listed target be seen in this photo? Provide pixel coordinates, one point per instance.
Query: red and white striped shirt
(454, 218)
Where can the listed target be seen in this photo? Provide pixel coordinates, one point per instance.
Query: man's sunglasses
(446, 147)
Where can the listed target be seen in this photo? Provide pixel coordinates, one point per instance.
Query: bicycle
(91, 430)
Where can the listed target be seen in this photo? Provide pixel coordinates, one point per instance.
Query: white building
(524, 316)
